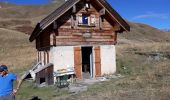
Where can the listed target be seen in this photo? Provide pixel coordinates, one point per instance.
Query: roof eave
(45, 23)
(127, 29)
(35, 33)
(118, 18)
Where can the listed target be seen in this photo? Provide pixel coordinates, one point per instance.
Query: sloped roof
(68, 5)
(43, 67)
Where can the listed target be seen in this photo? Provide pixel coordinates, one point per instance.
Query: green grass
(144, 78)
(29, 90)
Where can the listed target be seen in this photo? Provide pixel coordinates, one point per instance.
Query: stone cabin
(81, 34)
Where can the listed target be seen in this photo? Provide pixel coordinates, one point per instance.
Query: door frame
(92, 71)
(96, 61)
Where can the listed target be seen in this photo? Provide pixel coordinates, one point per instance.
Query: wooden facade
(79, 23)
(66, 34)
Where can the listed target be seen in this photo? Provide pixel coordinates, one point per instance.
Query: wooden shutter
(89, 20)
(77, 62)
(97, 61)
(80, 19)
(92, 20)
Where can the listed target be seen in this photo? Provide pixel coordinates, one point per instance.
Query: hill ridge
(24, 18)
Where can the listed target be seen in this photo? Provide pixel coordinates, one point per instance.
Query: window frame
(91, 20)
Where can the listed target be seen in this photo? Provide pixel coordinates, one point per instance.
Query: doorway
(87, 62)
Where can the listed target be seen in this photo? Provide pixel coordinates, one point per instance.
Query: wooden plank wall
(69, 33)
(47, 75)
(44, 38)
(74, 36)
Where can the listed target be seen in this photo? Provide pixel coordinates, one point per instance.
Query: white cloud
(152, 15)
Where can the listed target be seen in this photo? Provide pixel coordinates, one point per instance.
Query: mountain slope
(142, 59)
(15, 50)
(24, 19)
(26, 11)
(145, 33)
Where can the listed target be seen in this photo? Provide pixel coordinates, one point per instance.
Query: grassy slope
(15, 49)
(24, 18)
(27, 11)
(145, 78)
(145, 33)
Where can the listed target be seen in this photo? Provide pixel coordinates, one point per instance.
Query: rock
(75, 89)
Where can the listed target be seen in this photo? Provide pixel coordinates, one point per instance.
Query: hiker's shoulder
(12, 74)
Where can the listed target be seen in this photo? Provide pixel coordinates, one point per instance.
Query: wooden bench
(62, 77)
(62, 81)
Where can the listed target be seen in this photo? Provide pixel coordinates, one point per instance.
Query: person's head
(4, 69)
(1, 69)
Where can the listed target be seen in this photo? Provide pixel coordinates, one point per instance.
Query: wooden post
(74, 9)
(54, 25)
(72, 21)
(100, 22)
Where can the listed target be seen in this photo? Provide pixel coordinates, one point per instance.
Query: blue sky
(152, 12)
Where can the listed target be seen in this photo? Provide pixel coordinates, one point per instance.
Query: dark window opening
(42, 80)
(85, 19)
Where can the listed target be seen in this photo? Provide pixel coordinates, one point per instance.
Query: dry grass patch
(15, 50)
(145, 78)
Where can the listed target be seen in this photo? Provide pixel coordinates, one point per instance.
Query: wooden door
(78, 62)
(97, 61)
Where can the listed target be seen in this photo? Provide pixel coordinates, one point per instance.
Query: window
(85, 19)
(88, 20)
